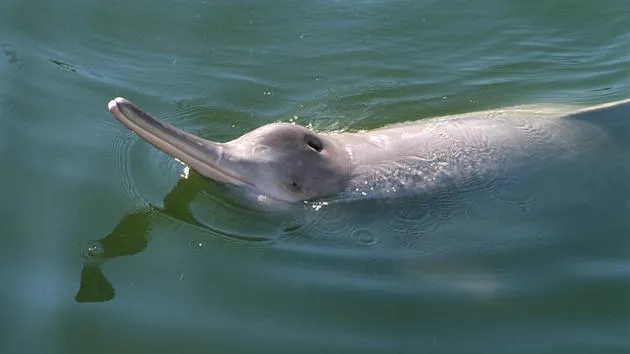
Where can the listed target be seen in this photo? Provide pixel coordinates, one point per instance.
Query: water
(381, 277)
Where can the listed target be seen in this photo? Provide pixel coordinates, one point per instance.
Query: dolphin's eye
(314, 143)
(294, 186)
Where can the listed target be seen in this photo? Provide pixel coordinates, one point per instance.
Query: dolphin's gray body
(290, 163)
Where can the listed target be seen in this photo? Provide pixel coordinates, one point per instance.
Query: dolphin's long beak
(201, 155)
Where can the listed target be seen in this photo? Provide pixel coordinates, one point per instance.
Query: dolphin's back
(483, 146)
(613, 118)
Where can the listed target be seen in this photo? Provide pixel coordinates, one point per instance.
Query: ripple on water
(331, 224)
(144, 172)
(364, 237)
(120, 149)
(240, 222)
(514, 193)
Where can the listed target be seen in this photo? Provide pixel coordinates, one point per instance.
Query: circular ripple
(152, 173)
(413, 221)
(332, 223)
(143, 172)
(214, 208)
(119, 149)
(364, 237)
(514, 193)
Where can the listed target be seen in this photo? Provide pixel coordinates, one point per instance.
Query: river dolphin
(290, 163)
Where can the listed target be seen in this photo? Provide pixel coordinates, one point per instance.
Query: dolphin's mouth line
(188, 148)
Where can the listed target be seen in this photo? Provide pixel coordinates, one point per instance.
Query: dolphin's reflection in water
(131, 236)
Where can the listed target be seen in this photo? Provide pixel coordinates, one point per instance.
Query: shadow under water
(131, 235)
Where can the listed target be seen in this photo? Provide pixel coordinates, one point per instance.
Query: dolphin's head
(282, 161)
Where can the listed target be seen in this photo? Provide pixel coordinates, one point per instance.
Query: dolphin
(291, 163)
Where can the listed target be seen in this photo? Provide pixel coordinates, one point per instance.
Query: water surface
(518, 274)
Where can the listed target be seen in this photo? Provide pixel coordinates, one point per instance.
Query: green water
(380, 278)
